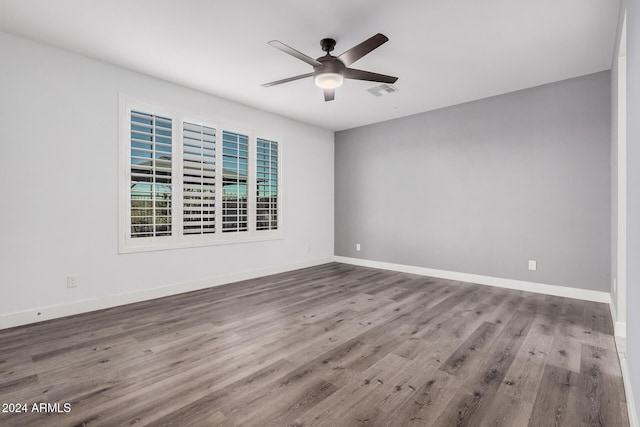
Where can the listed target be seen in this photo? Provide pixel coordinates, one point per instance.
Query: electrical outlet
(357, 246)
(72, 281)
(533, 265)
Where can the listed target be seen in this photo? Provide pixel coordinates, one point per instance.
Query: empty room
(336, 213)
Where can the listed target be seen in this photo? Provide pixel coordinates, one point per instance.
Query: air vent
(383, 89)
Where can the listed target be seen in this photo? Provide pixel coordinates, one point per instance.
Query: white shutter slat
(193, 158)
(191, 186)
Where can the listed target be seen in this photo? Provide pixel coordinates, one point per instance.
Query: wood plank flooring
(333, 345)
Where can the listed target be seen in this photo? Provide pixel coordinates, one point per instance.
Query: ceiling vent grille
(383, 89)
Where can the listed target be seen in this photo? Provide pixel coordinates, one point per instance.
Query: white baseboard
(631, 406)
(621, 345)
(52, 312)
(540, 288)
(620, 328)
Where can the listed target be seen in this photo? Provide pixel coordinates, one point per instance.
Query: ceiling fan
(330, 71)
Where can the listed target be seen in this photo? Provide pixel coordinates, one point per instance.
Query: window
(189, 181)
(235, 156)
(198, 179)
(151, 175)
(267, 183)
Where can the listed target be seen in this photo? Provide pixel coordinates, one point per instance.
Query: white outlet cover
(533, 264)
(72, 281)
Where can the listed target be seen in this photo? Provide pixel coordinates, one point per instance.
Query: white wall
(59, 216)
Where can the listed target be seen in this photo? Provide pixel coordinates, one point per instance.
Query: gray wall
(633, 196)
(482, 187)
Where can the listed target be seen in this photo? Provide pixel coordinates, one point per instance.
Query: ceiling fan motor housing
(329, 64)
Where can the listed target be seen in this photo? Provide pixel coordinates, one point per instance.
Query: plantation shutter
(235, 158)
(267, 184)
(151, 175)
(198, 179)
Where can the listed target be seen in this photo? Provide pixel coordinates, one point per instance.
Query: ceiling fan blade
(290, 79)
(329, 94)
(352, 73)
(291, 51)
(357, 52)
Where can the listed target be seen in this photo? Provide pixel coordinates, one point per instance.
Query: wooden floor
(333, 345)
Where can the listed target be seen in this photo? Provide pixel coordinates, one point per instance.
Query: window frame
(178, 239)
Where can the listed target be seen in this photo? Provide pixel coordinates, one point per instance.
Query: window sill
(131, 246)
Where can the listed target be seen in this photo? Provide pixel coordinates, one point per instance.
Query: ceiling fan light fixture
(329, 80)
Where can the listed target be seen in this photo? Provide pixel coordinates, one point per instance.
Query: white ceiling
(444, 52)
